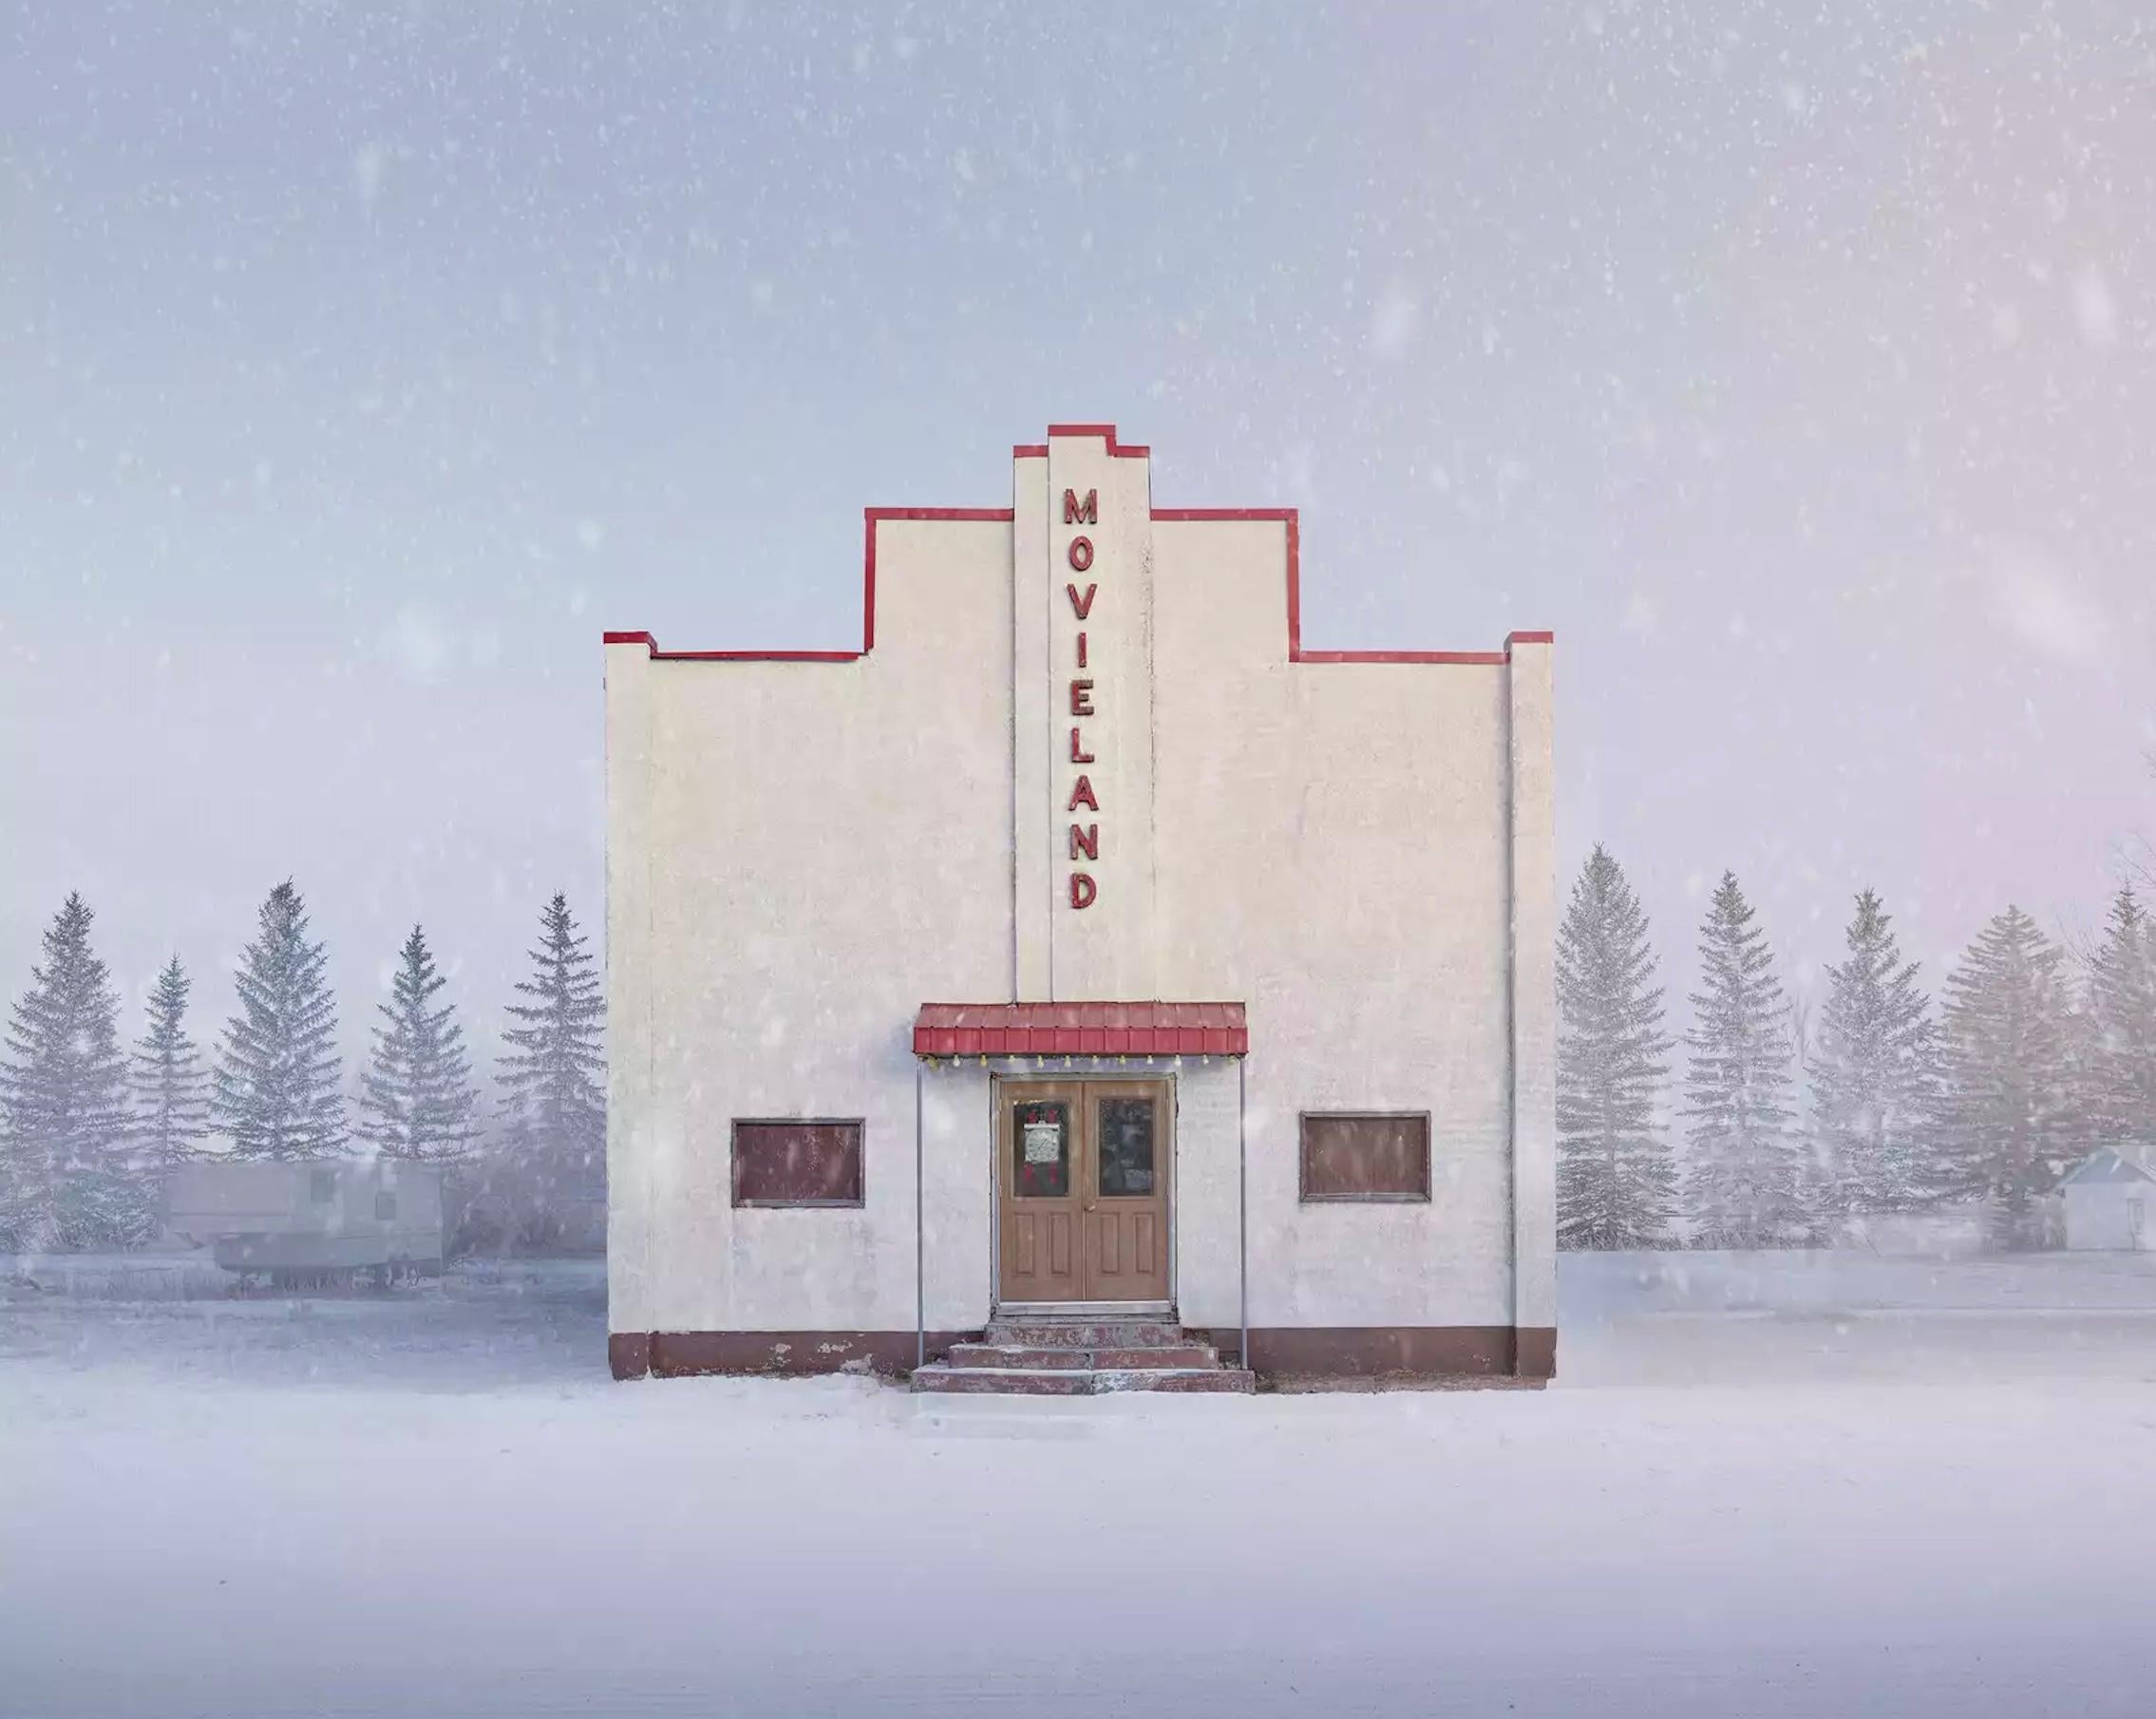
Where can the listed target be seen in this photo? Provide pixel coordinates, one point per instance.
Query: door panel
(1040, 1157)
(1082, 1180)
(1127, 1128)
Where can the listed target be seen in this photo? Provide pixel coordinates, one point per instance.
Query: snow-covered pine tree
(172, 1107)
(2008, 1128)
(276, 1091)
(416, 1098)
(68, 1177)
(1617, 1183)
(2089, 1099)
(1875, 1074)
(1746, 1179)
(552, 1078)
(2122, 983)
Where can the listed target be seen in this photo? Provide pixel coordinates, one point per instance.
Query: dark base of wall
(1396, 1351)
(1338, 1351)
(629, 1353)
(674, 1354)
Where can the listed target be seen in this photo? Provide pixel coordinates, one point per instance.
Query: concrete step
(1008, 1355)
(1077, 1381)
(1036, 1356)
(1165, 1354)
(941, 1377)
(1234, 1380)
(1083, 1333)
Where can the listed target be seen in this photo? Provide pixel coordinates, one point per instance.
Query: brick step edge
(1072, 1382)
(1083, 1334)
(1071, 1360)
(1007, 1356)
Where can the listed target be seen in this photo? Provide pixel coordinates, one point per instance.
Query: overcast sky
(359, 365)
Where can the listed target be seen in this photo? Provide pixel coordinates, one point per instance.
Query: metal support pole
(1242, 1209)
(920, 1292)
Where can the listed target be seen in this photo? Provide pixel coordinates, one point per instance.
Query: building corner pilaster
(1532, 994)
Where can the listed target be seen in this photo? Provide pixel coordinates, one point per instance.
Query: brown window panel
(1365, 1155)
(785, 1161)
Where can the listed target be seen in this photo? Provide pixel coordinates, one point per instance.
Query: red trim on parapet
(1105, 431)
(871, 517)
(1286, 516)
(652, 645)
(1289, 518)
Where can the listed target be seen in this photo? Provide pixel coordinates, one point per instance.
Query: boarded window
(1365, 1155)
(797, 1163)
(385, 1207)
(322, 1186)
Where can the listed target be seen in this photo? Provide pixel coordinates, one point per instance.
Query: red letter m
(1088, 514)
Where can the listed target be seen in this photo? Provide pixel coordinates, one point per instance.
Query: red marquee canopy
(1081, 1030)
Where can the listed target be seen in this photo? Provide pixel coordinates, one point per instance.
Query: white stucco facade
(1358, 849)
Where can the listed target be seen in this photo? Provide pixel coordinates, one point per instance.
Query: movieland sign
(1085, 837)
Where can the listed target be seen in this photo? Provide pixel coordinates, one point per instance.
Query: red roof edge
(1117, 450)
(1286, 516)
(1090, 1029)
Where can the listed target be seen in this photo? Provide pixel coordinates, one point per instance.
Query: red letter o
(1081, 552)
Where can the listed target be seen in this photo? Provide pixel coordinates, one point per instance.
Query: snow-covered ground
(1796, 1484)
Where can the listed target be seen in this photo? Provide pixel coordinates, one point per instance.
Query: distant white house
(2108, 1195)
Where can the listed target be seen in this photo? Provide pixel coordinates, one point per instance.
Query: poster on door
(1041, 1169)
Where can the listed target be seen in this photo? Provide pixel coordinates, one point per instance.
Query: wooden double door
(1082, 1185)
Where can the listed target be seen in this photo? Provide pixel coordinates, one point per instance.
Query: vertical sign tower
(1082, 665)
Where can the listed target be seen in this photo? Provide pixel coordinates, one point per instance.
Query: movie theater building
(1081, 962)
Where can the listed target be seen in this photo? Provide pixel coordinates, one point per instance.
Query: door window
(1126, 1148)
(1040, 1146)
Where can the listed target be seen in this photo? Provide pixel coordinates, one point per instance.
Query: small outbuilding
(2107, 1197)
(312, 1222)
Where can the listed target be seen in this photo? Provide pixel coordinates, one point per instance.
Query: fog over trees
(1748, 1183)
(170, 1084)
(416, 1099)
(1874, 1074)
(67, 1173)
(1978, 1096)
(277, 1090)
(87, 1134)
(1979, 1102)
(1617, 1177)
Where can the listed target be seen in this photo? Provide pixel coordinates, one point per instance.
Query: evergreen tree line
(1774, 1133)
(88, 1130)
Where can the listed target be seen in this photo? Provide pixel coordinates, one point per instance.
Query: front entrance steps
(1081, 1357)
